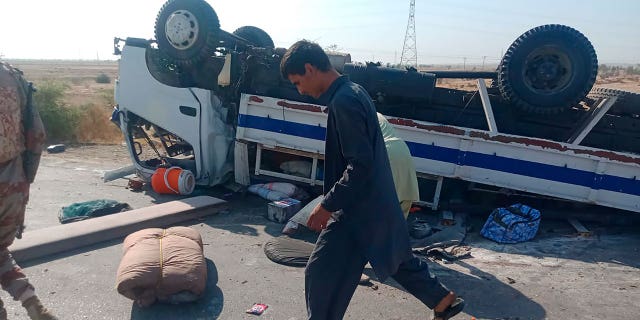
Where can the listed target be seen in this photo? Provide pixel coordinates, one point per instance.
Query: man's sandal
(450, 311)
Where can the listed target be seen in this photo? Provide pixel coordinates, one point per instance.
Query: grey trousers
(334, 268)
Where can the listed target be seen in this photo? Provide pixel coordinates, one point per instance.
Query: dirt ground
(621, 82)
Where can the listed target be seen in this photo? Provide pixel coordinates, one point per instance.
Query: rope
(161, 258)
(185, 181)
(166, 180)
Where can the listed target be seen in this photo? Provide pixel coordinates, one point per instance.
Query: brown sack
(163, 264)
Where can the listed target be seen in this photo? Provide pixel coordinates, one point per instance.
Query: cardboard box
(282, 210)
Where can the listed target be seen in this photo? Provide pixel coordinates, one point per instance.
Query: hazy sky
(447, 30)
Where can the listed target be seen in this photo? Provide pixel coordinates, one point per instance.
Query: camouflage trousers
(14, 194)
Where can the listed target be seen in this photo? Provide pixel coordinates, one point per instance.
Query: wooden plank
(291, 177)
(486, 105)
(294, 152)
(241, 163)
(594, 117)
(66, 237)
(447, 218)
(436, 195)
(582, 230)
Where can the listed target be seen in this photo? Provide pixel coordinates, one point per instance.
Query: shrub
(59, 120)
(95, 126)
(103, 78)
(106, 95)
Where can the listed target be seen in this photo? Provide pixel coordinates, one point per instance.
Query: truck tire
(187, 31)
(255, 36)
(628, 103)
(548, 69)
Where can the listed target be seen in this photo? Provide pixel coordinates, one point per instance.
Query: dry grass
(95, 100)
(95, 127)
(620, 82)
(460, 84)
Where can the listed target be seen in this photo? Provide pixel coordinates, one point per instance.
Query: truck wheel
(187, 31)
(548, 69)
(627, 103)
(255, 36)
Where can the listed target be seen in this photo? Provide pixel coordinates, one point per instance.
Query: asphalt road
(558, 275)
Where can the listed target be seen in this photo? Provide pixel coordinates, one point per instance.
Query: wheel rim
(547, 70)
(182, 29)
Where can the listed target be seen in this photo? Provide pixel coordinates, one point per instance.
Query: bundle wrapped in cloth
(167, 265)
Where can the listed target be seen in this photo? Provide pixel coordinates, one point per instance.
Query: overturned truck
(213, 102)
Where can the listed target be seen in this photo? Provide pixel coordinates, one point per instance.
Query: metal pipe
(464, 74)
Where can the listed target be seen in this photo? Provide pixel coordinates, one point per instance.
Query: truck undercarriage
(184, 93)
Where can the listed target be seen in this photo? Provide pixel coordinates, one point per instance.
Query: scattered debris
(233, 186)
(297, 167)
(288, 251)
(118, 173)
(173, 180)
(441, 235)
(582, 230)
(302, 216)
(364, 279)
(447, 218)
(282, 210)
(278, 190)
(446, 251)
(135, 184)
(257, 309)
(516, 223)
(420, 229)
(290, 228)
(91, 209)
(56, 148)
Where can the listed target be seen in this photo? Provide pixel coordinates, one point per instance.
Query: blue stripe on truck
(470, 159)
(282, 126)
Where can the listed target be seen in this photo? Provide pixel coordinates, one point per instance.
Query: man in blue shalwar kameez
(359, 194)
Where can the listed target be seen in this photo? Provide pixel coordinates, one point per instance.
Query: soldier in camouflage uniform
(22, 139)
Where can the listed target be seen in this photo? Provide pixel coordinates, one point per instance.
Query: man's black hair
(301, 53)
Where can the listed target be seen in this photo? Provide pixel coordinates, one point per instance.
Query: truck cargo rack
(556, 169)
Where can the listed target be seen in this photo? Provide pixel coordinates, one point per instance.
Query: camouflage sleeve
(20, 123)
(11, 138)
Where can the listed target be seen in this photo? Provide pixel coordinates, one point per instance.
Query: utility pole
(409, 52)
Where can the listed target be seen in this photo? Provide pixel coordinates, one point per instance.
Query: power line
(409, 51)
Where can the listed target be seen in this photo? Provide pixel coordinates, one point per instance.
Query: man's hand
(318, 218)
